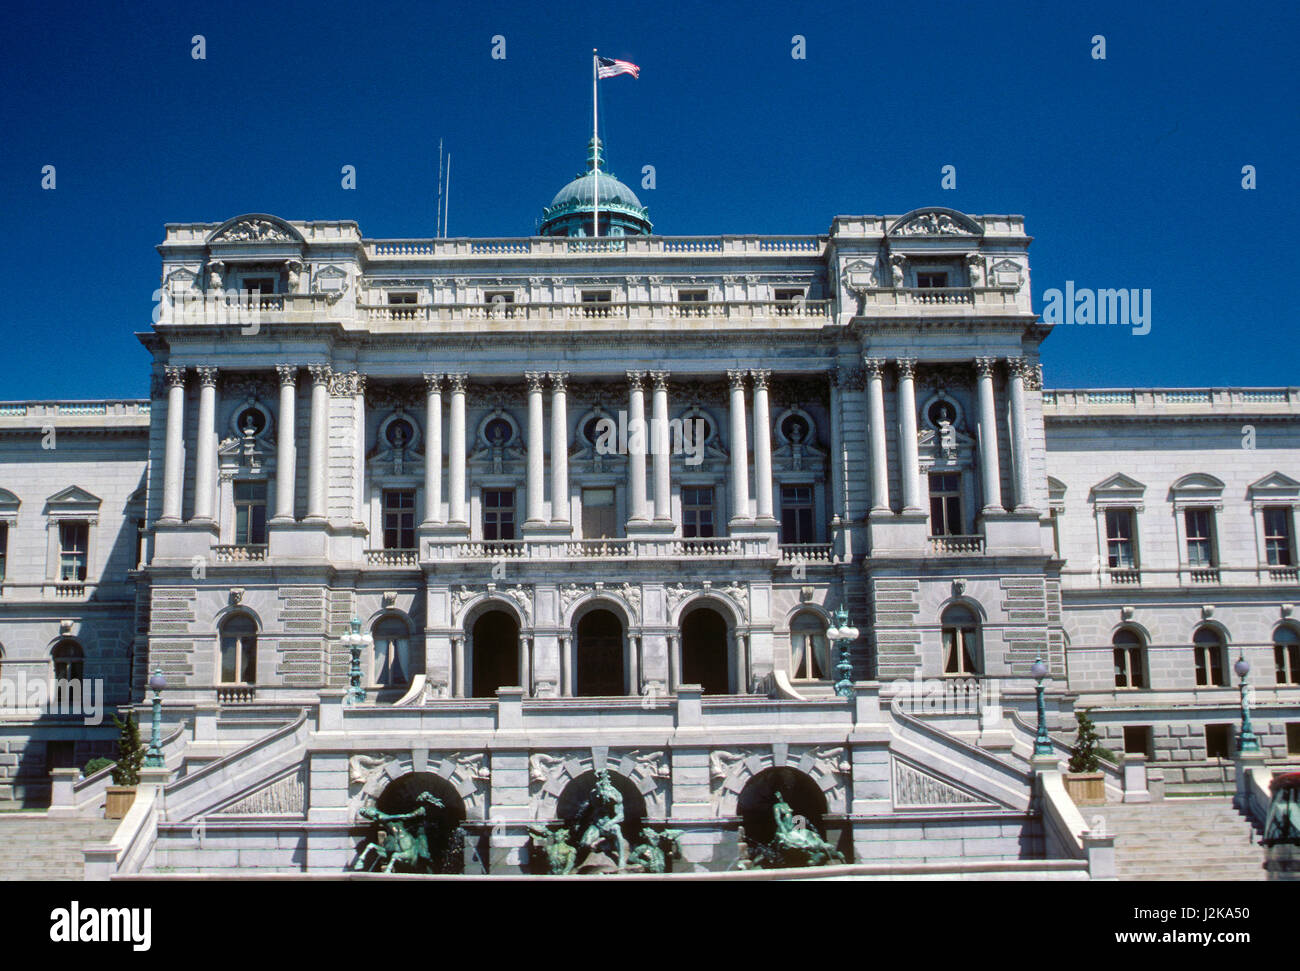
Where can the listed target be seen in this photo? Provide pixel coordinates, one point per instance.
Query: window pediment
(1275, 488)
(9, 504)
(1197, 488)
(73, 501)
(1119, 489)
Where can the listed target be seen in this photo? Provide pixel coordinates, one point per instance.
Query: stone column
(318, 450)
(762, 445)
(525, 668)
(1020, 368)
(286, 451)
(205, 452)
(739, 448)
(432, 449)
(876, 430)
(559, 449)
(456, 451)
(634, 665)
(536, 449)
(174, 457)
(636, 444)
(458, 659)
(990, 468)
(661, 446)
(674, 661)
(909, 462)
(566, 667)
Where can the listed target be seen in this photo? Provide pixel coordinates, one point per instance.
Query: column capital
(559, 381)
(761, 377)
(906, 367)
(207, 376)
(736, 379)
(535, 380)
(1019, 367)
(635, 378)
(875, 366)
(457, 382)
(174, 375)
(984, 366)
(433, 381)
(320, 373)
(288, 374)
(659, 379)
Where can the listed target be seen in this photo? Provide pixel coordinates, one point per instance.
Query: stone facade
(440, 438)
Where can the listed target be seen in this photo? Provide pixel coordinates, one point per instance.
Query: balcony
(398, 557)
(1204, 575)
(656, 548)
(239, 553)
(236, 694)
(999, 299)
(1283, 574)
(559, 247)
(793, 554)
(1124, 576)
(625, 312)
(957, 545)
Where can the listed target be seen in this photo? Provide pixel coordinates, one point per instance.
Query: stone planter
(1086, 788)
(117, 801)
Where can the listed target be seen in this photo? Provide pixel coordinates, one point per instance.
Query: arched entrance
(573, 799)
(494, 652)
(799, 791)
(599, 655)
(436, 833)
(704, 651)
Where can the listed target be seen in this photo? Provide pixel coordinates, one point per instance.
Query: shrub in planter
(126, 773)
(1084, 782)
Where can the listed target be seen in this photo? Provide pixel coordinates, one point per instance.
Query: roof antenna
(447, 199)
(437, 219)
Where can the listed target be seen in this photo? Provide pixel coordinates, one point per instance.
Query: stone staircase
(1181, 839)
(35, 847)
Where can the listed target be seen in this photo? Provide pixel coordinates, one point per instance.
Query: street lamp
(1042, 741)
(354, 641)
(153, 758)
(1247, 740)
(844, 635)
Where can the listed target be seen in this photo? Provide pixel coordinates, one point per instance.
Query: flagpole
(595, 148)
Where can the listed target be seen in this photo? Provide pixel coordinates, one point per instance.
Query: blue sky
(1127, 170)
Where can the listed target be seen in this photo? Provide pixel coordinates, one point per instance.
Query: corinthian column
(990, 468)
(318, 443)
(205, 454)
(762, 445)
(536, 449)
(909, 462)
(636, 448)
(661, 447)
(559, 449)
(1020, 368)
(876, 430)
(432, 449)
(286, 449)
(456, 451)
(174, 456)
(739, 448)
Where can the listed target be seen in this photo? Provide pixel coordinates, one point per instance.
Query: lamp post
(153, 758)
(354, 641)
(1247, 740)
(1042, 741)
(843, 635)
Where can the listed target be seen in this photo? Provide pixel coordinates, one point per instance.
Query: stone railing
(113, 408)
(956, 544)
(793, 553)
(600, 548)
(392, 557)
(946, 297)
(1124, 576)
(239, 553)
(1121, 402)
(665, 310)
(561, 246)
(715, 547)
(236, 694)
(1202, 575)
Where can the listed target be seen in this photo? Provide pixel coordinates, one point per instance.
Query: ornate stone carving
(975, 266)
(543, 768)
(635, 379)
(630, 594)
(470, 765)
(721, 762)
(362, 768)
(524, 598)
(320, 373)
(896, 263)
(906, 367)
(935, 224)
(174, 376)
(659, 380)
(535, 380)
(761, 377)
(569, 593)
(457, 381)
(460, 596)
(652, 765)
(284, 797)
(676, 593)
(736, 379)
(875, 366)
(984, 366)
(912, 787)
(287, 374)
(739, 593)
(253, 231)
(347, 384)
(559, 381)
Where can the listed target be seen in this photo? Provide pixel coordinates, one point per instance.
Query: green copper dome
(621, 212)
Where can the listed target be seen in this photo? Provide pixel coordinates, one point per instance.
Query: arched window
(392, 660)
(1286, 654)
(1129, 671)
(1207, 646)
(961, 641)
(239, 650)
(69, 661)
(809, 650)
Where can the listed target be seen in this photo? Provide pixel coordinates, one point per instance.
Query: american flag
(608, 67)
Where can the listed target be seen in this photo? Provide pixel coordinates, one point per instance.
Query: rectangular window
(260, 284)
(1293, 738)
(250, 513)
(598, 514)
(73, 544)
(945, 504)
(1277, 535)
(596, 296)
(1119, 539)
(1218, 741)
(693, 296)
(239, 658)
(1137, 740)
(797, 514)
(1200, 547)
(1128, 668)
(399, 519)
(931, 279)
(697, 511)
(404, 298)
(498, 514)
(959, 650)
(788, 294)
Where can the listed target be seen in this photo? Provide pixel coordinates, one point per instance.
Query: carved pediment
(72, 500)
(936, 221)
(1119, 487)
(1275, 487)
(255, 228)
(1197, 487)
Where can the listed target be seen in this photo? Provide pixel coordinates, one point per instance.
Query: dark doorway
(496, 653)
(600, 655)
(704, 651)
(798, 790)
